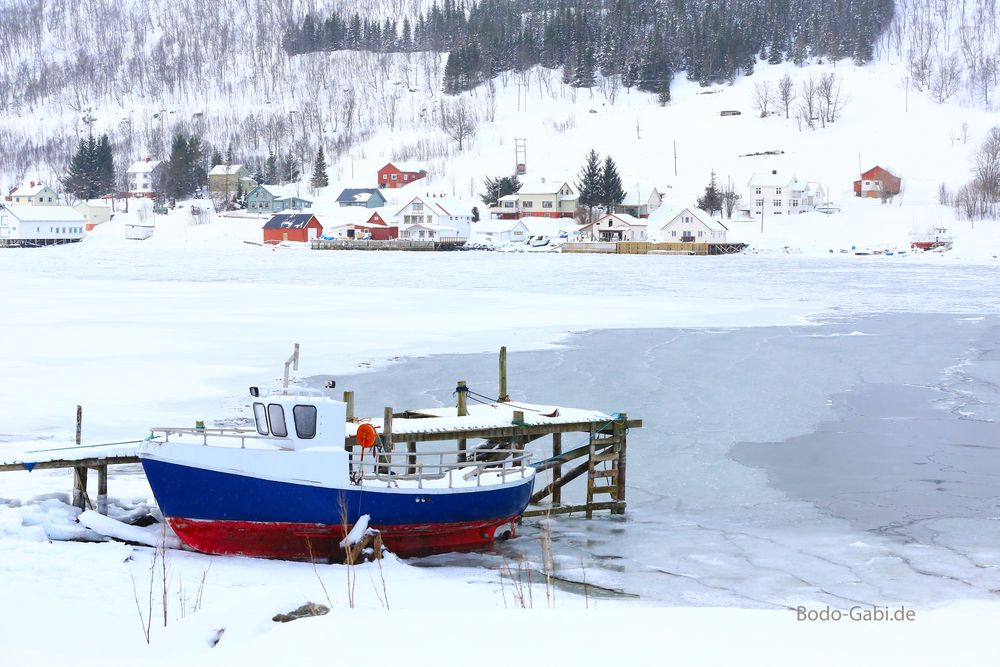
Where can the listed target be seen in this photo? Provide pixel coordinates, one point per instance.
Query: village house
(274, 199)
(94, 211)
(774, 194)
(552, 199)
(366, 197)
(877, 182)
(226, 180)
(34, 193)
(639, 203)
(447, 217)
(615, 227)
(296, 227)
(355, 222)
(497, 232)
(143, 178)
(688, 225)
(399, 174)
(40, 225)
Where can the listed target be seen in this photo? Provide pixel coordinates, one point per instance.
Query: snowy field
(723, 357)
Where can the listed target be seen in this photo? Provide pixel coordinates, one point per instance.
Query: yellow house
(34, 194)
(224, 179)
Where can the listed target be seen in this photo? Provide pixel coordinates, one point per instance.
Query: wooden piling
(621, 432)
(557, 469)
(411, 458)
(79, 423)
(349, 399)
(387, 430)
(463, 399)
(80, 487)
(102, 489)
(503, 397)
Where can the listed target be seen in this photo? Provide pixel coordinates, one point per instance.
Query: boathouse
(298, 227)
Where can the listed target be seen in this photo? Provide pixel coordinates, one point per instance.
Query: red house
(876, 181)
(399, 174)
(378, 230)
(299, 227)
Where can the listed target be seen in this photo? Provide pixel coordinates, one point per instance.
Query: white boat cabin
(300, 421)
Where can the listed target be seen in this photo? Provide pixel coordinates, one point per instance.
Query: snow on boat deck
(483, 417)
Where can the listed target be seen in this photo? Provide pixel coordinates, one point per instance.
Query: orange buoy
(366, 436)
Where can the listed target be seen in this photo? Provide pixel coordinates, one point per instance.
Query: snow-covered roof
(224, 170)
(638, 197)
(662, 217)
(440, 204)
(538, 226)
(357, 195)
(144, 166)
(626, 218)
(542, 186)
(427, 226)
(408, 166)
(282, 192)
(509, 198)
(28, 190)
(44, 214)
(93, 203)
(289, 221)
(496, 226)
(770, 179)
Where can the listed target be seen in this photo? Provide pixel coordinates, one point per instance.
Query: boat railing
(426, 466)
(241, 434)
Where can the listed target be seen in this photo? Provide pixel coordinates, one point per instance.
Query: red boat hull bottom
(312, 541)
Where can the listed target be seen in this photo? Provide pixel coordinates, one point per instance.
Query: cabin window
(305, 421)
(260, 417)
(276, 417)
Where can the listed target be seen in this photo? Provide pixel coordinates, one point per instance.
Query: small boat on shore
(291, 488)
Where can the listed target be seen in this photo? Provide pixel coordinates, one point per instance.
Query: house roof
(225, 170)
(441, 205)
(626, 218)
(282, 192)
(44, 214)
(93, 203)
(542, 186)
(430, 226)
(663, 217)
(496, 226)
(144, 166)
(289, 221)
(406, 166)
(357, 195)
(640, 196)
(28, 190)
(770, 179)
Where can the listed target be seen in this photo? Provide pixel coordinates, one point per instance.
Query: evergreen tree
(104, 166)
(217, 158)
(270, 174)
(590, 183)
(499, 187)
(612, 192)
(712, 199)
(238, 197)
(79, 176)
(229, 155)
(319, 178)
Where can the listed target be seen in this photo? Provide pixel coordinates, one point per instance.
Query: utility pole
(675, 158)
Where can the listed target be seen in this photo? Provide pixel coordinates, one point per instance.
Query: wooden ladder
(602, 469)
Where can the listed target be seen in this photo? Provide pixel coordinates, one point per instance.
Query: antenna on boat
(293, 361)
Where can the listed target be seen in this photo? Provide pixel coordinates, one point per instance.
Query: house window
(508, 204)
(756, 191)
(776, 203)
(673, 232)
(527, 204)
(41, 199)
(385, 177)
(777, 191)
(546, 204)
(394, 177)
(795, 203)
(421, 233)
(700, 233)
(759, 203)
(406, 177)
(418, 207)
(518, 232)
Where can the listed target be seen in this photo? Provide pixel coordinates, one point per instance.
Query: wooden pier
(388, 244)
(489, 430)
(650, 248)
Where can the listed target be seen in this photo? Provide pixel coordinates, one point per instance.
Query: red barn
(301, 227)
(399, 174)
(875, 181)
(379, 230)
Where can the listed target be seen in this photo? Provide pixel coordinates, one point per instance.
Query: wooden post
(80, 487)
(102, 489)
(349, 399)
(557, 470)
(590, 475)
(461, 450)
(411, 458)
(79, 423)
(463, 399)
(503, 397)
(387, 429)
(518, 441)
(620, 430)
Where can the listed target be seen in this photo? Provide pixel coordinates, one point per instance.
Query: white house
(541, 198)
(496, 232)
(428, 231)
(33, 194)
(40, 225)
(689, 225)
(774, 194)
(143, 178)
(616, 227)
(439, 210)
(95, 211)
(640, 202)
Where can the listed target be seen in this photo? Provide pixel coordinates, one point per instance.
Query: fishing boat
(933, 239)
(294, 485)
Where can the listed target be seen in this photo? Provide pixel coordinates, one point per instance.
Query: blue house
(367, 197)
(274, 199)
